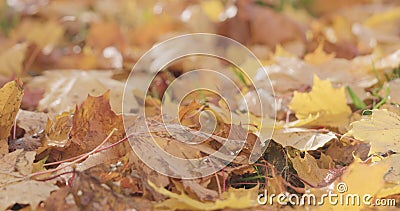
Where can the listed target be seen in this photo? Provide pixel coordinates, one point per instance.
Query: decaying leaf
(381, 130)
(26, 192)
(10, 101)
(90, 194)
(323, 100)
(15, 166)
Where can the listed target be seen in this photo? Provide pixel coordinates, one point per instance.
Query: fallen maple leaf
(233, 198)
(381, 130)
(92, 122)
(10, 101)
(323, 100)
(307, 168)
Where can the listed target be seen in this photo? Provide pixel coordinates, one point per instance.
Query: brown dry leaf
(11, 60)
(147, 174)
(92, 122)
(90, 194)
(61, 200)
(43, 34)
(10, 101)
(15, 166)
(25, 192)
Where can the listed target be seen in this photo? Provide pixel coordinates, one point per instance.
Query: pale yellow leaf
(381, 130)
(303, 139)
(307, 168)
(323, 100)
(234, 198)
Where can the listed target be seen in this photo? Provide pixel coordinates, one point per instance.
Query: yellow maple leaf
(10, 101)
(354, 193)
(318, 56)
(234, 198)
(323, 100)
(308, 169)
(381, 130)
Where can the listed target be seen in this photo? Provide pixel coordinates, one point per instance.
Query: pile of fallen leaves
(334, 66)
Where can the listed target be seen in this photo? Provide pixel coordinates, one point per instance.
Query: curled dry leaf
(303, 139)
(58, 130)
